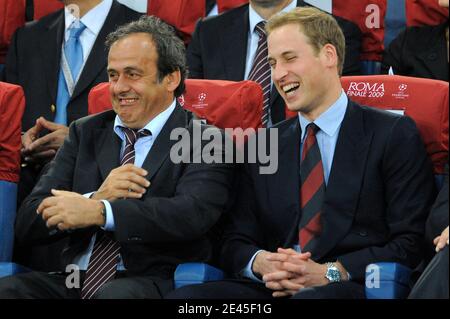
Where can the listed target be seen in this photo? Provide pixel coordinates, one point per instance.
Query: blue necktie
(73, 53)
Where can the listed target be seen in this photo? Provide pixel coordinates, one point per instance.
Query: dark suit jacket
(438, 219)
(419, 52)
(218, 51)
(33, 61)
(377, 198)
(169, 225)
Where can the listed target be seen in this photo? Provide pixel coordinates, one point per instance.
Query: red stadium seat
(12, 16)
(365, 12)
(224, 5)
(425, 12)
(45, 7)
(361, 12)
(424, 100)
(12, 105)
(181, 14)
(225, 104)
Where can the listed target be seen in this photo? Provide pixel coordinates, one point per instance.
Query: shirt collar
(255, 18)
(93, 19)
(330, 120)
(154, 126)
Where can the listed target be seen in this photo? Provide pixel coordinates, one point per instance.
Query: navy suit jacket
(377, 198)
(175, 220)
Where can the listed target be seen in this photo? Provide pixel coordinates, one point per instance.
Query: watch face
(333, 274)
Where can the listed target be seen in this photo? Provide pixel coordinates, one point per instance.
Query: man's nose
(121, 85)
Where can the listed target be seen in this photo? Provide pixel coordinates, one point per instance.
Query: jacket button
(432, 56)
(53, 108)
(135, 238)
(362, 233)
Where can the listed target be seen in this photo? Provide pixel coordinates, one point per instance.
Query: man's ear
(329, 55)
(172, 80)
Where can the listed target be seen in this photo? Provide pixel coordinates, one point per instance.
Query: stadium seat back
(12, 16)
(225, 104)
(424, 100)
(45, 7)
(181, 14)
(425, 12)
(12, 105)
(225, 5)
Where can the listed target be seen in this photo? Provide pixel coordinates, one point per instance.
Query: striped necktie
(260, 71)
(312, 191)
(105, 254)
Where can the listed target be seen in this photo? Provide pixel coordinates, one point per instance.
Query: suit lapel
(234, 44)
(284, 186)
(345, 180)
(98, 56)
(107, 149)
(51, 52)
(162, 145)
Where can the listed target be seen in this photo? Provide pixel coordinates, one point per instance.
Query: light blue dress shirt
(329, 123)
(93, 20)
(142, 147)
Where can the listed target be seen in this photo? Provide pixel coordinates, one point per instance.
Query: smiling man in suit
(35, 61)
(224, 47)
(131, 213)
(354, 184)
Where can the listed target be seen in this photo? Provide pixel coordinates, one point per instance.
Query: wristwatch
(333, 274)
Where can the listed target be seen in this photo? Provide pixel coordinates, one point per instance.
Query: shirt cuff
(248, 272)
(109, 224)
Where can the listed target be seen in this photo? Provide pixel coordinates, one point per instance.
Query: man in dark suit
(353, 185)
(223, 47)
(129, 223)
(420, 51)
(34, 62)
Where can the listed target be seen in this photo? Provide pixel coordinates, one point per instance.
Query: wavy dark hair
(170, 48)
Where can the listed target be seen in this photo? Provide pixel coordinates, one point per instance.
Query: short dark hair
(170, 48)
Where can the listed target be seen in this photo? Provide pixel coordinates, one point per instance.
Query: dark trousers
(40, 285)
(433, 283)
(246, 289)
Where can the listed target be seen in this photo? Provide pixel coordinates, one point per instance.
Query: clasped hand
(68, 210)
(287, 271)
(36, 149)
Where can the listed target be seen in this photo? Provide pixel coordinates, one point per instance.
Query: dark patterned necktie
(312, 191)
(260, 71)
(105, 254)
